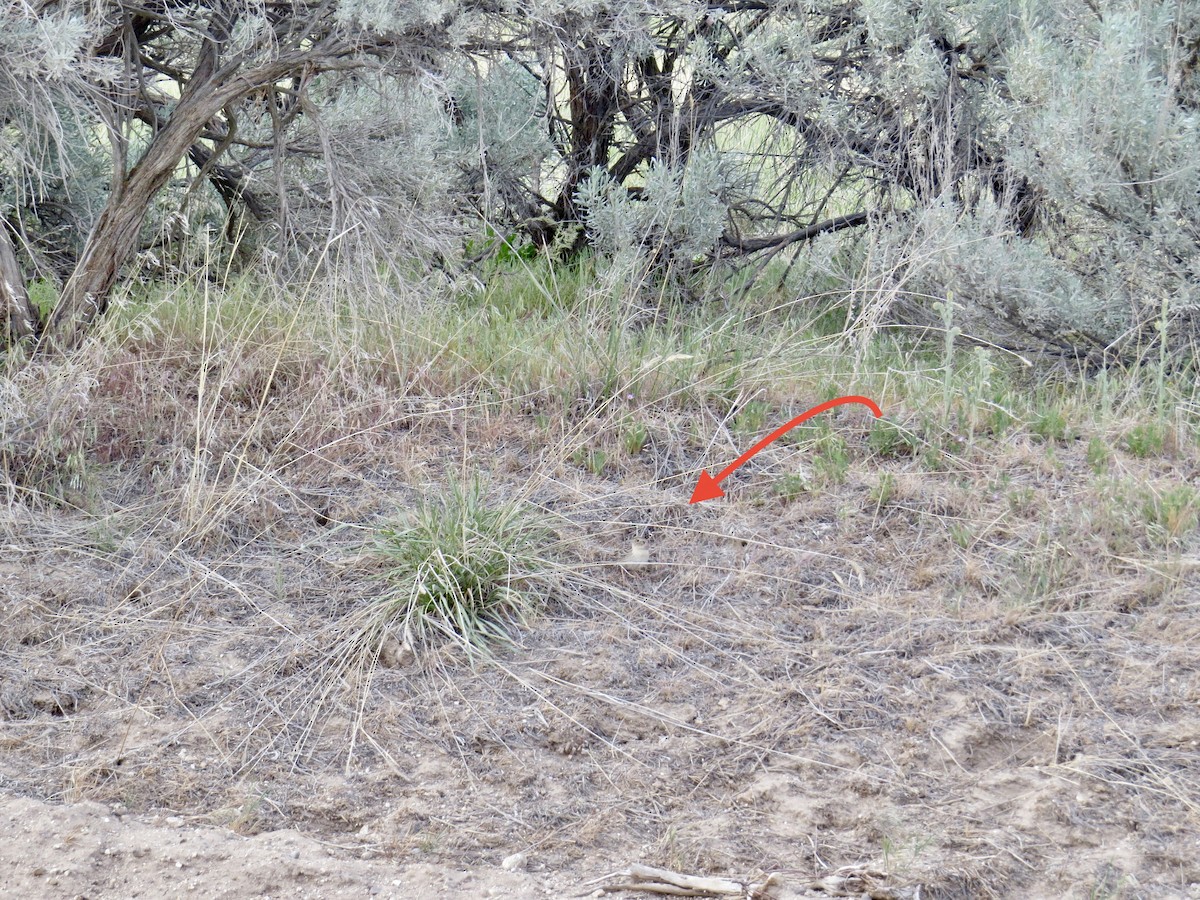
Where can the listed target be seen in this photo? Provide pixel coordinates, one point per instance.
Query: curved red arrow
(709, 488)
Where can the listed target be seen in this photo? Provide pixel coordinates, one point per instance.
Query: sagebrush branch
(774, 242)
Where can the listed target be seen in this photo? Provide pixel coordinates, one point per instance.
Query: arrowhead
(706, 489)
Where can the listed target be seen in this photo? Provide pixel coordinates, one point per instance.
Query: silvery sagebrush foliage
(252, 119)
(50, 149)
(1044, 169)
(370, 173)
(680, 211)
(499, 141)
(1042, 155)
(1113, 143)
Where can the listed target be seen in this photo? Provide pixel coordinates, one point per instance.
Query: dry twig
(663, 881)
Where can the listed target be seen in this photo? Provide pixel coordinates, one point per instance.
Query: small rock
(514, 862)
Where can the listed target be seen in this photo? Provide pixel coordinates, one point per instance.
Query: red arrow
(709, 488)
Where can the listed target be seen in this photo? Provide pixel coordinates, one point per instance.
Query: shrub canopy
(1037, 158)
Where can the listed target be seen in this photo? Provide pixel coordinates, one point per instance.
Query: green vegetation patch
(466, 567)
(1146, 440)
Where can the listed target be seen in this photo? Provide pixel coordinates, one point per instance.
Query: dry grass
(958, 651)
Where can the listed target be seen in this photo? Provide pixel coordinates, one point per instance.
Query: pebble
(514, 862)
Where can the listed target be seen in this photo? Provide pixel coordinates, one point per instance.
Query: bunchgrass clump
(1170, 514)
(1098, 455)
(1146, 440)
(1050, 425)
(832, 461)
(891, 441)
(465, 566)
(791, 487)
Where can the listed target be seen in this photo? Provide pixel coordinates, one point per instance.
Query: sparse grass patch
(962, 534)
(466, 567)
(998, 421)
(1045, 572)
(280, 441)
(1021, 499)
(752, 418)
(1170, 514)
(1114, 515)
(890, 440)
(832, 460)
(47, 425)
(790, 487)
(884, 492)
(635, 438)
(593, 459)
(1050, 424)
(933, 459)
(1145, 440)
(1098, 455)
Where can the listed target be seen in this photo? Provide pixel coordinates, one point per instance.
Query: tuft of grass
(962, 534)
(593, 459)
(1022, 500)
(1172, 513)
(892, 441)
(1050, 424)
(1098, 455)
(752, 418)
(1144, 441)
(885, 491)
(465, 567)
(791, 487)
(999, 420)
(832, 462)
(635, 439)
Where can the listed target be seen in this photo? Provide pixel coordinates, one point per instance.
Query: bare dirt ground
(982, 682)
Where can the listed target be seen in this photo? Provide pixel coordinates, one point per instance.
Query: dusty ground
(983, 684)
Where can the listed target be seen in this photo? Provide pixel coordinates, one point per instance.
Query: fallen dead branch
(848, 881)
(663, 881)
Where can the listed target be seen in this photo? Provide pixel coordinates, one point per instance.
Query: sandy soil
(88, 850)
(971, 688)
